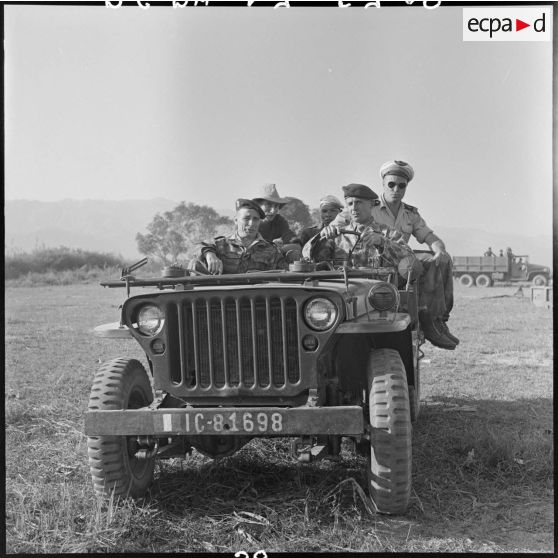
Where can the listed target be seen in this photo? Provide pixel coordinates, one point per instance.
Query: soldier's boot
(442, 326)
(432, 333)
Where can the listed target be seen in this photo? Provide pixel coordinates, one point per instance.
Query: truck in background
(482, 271)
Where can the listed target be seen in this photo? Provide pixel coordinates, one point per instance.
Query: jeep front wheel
(539, 281)
(466, 280)
(390, 461)
(119, 384)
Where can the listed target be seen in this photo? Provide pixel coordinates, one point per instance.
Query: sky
(205, 104)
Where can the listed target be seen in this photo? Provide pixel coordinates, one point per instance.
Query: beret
(359, 191)
(250, 204)
(399, 168)
(331, 201)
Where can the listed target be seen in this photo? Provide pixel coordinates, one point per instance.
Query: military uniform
(407, 221)
(370, 248)
(260, 255)
(437, 280)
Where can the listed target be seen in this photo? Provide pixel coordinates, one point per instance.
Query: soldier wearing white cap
(330, 207)
(389, 210)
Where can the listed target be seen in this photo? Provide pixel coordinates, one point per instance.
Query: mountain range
(111, 226)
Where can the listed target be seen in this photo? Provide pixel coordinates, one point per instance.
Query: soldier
(274, 226)
(490, 253)
(330, 207)
(372, 244)
(437, 278)
(244, 250)
(501, 255)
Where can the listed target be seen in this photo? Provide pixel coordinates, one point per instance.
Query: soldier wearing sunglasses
(437, 278)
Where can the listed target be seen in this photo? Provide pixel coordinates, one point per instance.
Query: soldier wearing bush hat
(244, 250)
(437, 278)
(274, 227)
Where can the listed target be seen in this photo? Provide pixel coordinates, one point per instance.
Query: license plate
(243, 422)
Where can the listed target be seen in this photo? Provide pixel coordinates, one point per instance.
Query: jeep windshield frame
(250, 278)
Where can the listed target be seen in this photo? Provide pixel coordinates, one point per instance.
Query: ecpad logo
(507, 24)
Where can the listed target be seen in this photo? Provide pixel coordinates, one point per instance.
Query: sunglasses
(392, 185)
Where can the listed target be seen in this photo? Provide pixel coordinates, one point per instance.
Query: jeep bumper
(230, 421)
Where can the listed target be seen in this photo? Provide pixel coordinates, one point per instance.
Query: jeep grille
(247, 342)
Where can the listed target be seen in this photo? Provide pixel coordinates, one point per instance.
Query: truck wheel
(539, 281)
(389, 466)
(121, 383)
(466, 280)
(483, 280)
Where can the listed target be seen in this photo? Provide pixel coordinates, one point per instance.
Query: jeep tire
(390, 460)
(119, 384)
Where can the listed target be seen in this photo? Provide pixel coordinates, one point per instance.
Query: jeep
(314, 354)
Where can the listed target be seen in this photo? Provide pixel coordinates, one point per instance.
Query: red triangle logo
(519, 25)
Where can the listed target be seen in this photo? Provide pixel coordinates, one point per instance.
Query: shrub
(53, 260)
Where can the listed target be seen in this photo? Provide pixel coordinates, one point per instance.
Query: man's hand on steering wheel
(330, 231)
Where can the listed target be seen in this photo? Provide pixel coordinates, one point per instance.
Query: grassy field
(483, 448)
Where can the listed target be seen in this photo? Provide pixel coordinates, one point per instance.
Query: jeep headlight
(150, 319)
(320, 313)
(383, 296)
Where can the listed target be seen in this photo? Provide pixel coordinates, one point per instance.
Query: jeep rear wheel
(390, 461)
(483, 280)
(119, 384)
(539, 280)
(466, 280)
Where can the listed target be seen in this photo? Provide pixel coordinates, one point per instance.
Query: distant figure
(490, 253)
(509, 252)
(501, 253)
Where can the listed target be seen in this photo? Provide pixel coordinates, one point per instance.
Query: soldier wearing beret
(363, 249)
(330, 207)
(437, 279)
(242, 251)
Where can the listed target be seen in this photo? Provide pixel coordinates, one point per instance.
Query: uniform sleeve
(420, 229)
(206, 247)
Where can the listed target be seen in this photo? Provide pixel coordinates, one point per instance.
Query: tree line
(176, 234)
